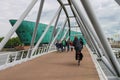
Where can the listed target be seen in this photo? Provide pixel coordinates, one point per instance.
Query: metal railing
(103, 71)
(116, 52)
(99, 69)
(9, 59)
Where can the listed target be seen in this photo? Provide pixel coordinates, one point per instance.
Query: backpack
(78, 45)
(81, 41)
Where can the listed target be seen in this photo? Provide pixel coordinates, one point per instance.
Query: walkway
(53, 66)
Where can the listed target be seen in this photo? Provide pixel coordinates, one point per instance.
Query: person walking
(64, 44)
(78, 46)
(68, 44)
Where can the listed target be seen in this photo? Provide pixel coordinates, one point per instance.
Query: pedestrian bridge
(53, 66)
(44, 63)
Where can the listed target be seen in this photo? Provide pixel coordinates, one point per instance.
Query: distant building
(116, 36)
(114, 43)
(26, 28)
(110, 40)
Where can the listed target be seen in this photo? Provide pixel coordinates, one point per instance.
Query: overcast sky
(107, 12)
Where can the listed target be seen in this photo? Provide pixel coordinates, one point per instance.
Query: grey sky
(107, 12)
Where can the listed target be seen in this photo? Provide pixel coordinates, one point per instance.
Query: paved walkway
(53, 66)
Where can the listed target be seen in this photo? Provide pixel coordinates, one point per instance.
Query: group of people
(63, 45)
(78, 46)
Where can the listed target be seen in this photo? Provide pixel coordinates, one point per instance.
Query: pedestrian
(57, 45)
(68, 44)
(61, 46)
(78, 46)
(71, 45)
(64, 44)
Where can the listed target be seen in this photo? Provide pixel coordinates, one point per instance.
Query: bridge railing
(9, 59)
(101, 67)
(116, 52)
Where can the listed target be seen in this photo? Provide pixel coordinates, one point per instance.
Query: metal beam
(54, 30)
(71, 16)
(61, 3)
(14, 28)
(42, 36)
(93, 44)
(97, 27)
(86, 23)
(64, 35)
(66, 4)
(81, 26)
(36, 26)
(85, 30)
(118, 1)
(58, 34)
(88, 26)
(64, 28)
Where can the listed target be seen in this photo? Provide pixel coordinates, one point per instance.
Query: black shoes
(78, 62)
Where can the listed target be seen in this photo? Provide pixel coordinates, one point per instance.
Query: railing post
(7, 59)
(15, 57)
(22, 55)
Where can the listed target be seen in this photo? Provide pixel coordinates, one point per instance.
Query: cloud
(10, 9)
(107, 12)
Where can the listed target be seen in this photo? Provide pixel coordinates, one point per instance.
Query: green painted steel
(26, 28)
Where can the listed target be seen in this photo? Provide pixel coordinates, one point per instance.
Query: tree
(13, 42)
(1, 39)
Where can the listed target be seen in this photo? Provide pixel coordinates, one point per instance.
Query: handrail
(101, 73)
(12, 58)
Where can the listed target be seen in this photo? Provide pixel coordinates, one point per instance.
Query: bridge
(53, 66)
(44, 62)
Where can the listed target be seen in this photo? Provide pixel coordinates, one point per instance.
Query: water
(3, 57)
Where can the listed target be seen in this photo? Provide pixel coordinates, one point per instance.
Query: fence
(12, 58)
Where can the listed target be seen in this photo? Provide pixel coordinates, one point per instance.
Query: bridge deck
(54, 66)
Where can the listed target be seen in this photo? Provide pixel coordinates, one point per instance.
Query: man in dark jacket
(78, 45)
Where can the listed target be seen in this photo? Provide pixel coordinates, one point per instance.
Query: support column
(42, 36)
(97, 27)
(58, 34)
(118, 1)
(16, 25)
(67, 30)
(63, 29)
(36, 26)
(81, 26)
(99, 53)
(87, 25)
(54, 30)
(85, 30)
